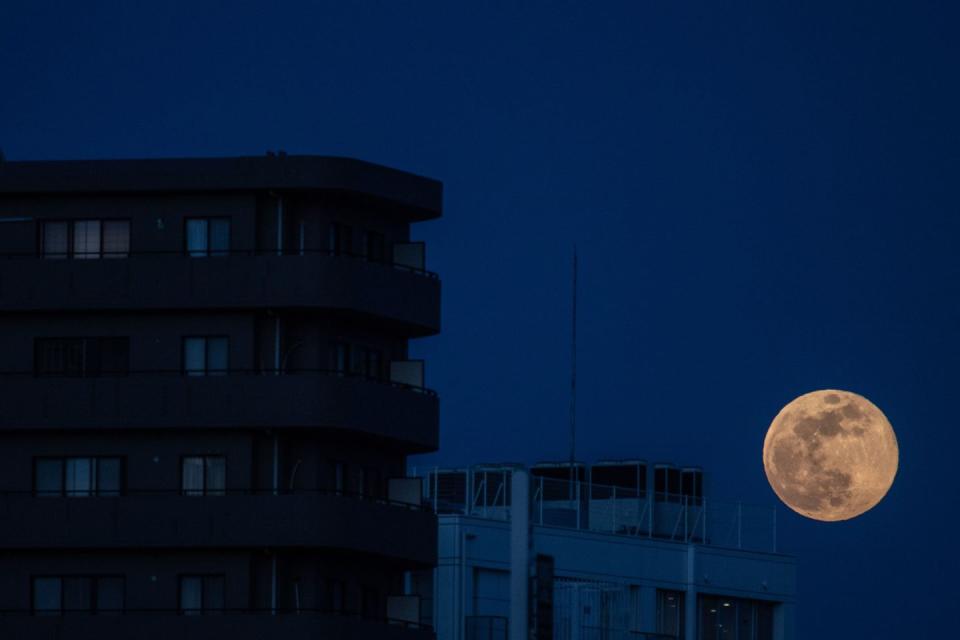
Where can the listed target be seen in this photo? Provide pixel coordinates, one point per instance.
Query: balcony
(229, 624)
(407, 417)
(401, 532)
(404, 296)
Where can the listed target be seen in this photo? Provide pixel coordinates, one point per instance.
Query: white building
(615, 551)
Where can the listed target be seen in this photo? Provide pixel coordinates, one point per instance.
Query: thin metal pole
(573, 372)
(739, 525)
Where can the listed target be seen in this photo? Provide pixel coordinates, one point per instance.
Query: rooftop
(422, 196)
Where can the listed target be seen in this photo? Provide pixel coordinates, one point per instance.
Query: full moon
(830, 455)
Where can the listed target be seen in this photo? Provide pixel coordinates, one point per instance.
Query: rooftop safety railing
(223, 253)
(623, 511)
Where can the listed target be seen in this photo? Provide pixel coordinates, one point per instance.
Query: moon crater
(830, 455)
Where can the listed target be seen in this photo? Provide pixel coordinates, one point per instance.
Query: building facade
(207, 398)
(618, 550)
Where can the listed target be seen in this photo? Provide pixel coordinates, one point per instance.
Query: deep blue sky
(764, 200)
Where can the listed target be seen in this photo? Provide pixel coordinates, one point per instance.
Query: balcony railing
(394, 498)
(238, 624)
(586, 506)
(395, 382)
(224, 253)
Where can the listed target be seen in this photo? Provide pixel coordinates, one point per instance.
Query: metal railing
(216, 373)
(586, 506)
(219, 253)
(284, 611)
(200, 494)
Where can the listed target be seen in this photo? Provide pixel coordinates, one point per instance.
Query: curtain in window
(79, 476)
(194, 356)
(55, 239)
(49, 477)
(192, 481)
(217, 356)
(197, 238)
(219, 237)
(216, 475)
(46, 595)
(86, 239)
(116, 238)
(191, 594)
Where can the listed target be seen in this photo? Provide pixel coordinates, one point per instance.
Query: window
(55, 595)
(77, 477)
(341, 239)
(371, 483)
(206, 355)
(201, 594)
(207, 237)
(342, 358)
(369, 603)
(735, 618)
(670, 612)
(371, 362)
(86, 357)
(204, 475)
(85, 239)
(339, 477)
(335, 592)
(374, 246)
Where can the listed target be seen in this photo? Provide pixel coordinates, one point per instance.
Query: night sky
(764, 201)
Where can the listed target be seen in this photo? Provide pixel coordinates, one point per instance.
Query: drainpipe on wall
(279, 225)
(273, 584)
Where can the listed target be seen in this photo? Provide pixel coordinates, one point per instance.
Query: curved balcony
(403, 416)
(237, 625)
(157, 520)
(405, 297)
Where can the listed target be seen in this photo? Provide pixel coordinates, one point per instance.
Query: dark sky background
(764, 201)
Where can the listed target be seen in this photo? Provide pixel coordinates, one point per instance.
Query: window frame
(207, 251)
(94, 579)
(70, 253)
(205, 491)
(95, 491)
(85, 342)
(203, 610)
(206, 371)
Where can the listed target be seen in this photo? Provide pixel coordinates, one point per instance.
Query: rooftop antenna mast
(573, 375)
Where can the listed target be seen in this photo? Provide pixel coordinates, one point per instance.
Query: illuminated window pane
(55, 239)
(47, 596)
(79, 476)
(49, 477)
(116, 238)
(86, 239)
(219, 237)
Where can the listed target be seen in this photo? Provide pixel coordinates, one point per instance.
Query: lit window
(204, 475)
(77, 477)
(85, 239)
(207, 237)
(56, 595)
(201, 594)
(206, 355)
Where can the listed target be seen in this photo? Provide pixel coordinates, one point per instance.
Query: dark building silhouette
(206, 398)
